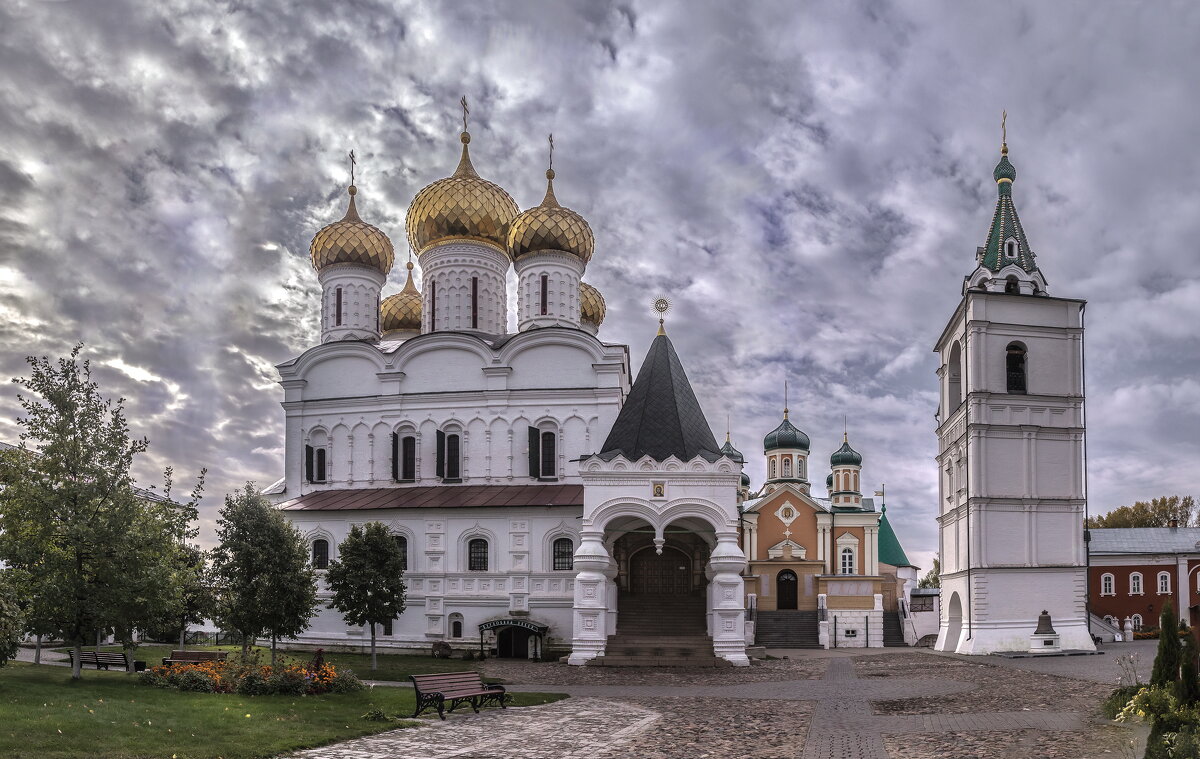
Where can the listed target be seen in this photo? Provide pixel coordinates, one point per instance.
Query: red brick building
(1134, 571)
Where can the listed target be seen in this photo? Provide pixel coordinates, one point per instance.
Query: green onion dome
(845, 456)
(745, 480)
(785, 436)
(732, 453)
(829, 482)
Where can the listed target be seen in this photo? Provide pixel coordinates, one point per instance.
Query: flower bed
(250, 678)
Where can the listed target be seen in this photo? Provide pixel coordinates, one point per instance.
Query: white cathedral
(548, 503)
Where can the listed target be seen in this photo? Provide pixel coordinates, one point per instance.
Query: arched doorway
(513, 643)
(786, 590)
(954, 620)
(669, 573)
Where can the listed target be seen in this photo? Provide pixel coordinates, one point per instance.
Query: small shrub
(345, 681)
(153, 677)
(1118, 699)
(253, 682)
(194, 680)
(442, 650)
(376, 715)
(289, 681)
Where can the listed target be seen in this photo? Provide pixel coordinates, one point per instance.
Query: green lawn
(44, 715)
(391, 666)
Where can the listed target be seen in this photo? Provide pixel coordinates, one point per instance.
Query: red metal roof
(438, 497)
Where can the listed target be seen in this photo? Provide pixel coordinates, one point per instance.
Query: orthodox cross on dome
(1004, 132)
(352, 163)
(661, 305)
(550, 168)
(466, 111)
(785, 399)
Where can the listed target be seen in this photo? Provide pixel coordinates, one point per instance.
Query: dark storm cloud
(808, 184)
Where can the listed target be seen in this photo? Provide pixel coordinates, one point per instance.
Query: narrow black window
(387, 627)
(337, 309)
(535, 456)
(549, 466)
(474, 302)
(320, 553)
(453, 469)
(545, 294)
(320, 465)
(456, 628)
(440, 460)
(402, 544)
(408, 458)
(1011, 287)
(395, 456)
(564, 554)
(308, 462)
(477, 555)
(432, 305)
(1015, 361)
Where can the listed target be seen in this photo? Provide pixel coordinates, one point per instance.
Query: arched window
(549, 455)
(545, 299)
(1135, 584)
(402, 545)
(477, 555)
(320, 554)
(847, 561)
(772, 468)
(564, 554)
(337, 308)
(856, 482)
(448, 462)
(1136, 619)
(787, 466)
(432, 305)
(1110, 619)
(1107, 583)
(474, 302)
(404, 458)
(1164, 583)
(954, 381)
(1010, 249)
(456, 625)
(1015, 364)
(315, 453)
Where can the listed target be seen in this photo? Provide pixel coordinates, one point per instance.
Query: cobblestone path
(576, 728)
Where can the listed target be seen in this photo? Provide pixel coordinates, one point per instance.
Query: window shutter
(535, 454)
(308, 463)
(395, 456)
(549, 466)
(440, 469)
(320, 465)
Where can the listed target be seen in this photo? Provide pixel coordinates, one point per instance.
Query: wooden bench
(100, 659)
(456, 687)
(191, 657)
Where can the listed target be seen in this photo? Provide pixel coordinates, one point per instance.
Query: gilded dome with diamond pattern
(550, 226)
(591, 304)
(401, 311)
(461, 206)
(351, 240)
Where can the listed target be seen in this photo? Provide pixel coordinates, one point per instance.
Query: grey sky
(808, 183)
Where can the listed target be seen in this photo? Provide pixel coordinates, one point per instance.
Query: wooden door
(652, 574)
(786, 590)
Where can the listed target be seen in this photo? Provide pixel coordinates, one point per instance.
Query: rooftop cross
(352, 163)
(466, 111)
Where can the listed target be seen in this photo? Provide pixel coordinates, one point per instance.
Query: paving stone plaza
(911, 704)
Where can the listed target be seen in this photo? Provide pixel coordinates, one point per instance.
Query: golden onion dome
(461, 206)
(402, 311)
(591, 305)
(351, 240)
(550, 226)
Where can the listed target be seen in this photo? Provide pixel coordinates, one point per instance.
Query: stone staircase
(893, 632)
(786, 629)
(660, 631)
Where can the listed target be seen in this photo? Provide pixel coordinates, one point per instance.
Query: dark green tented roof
(661, 417)
(890, 550)
(1006, 225)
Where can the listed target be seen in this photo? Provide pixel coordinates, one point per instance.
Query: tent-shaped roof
(890, 550)
(661, 417)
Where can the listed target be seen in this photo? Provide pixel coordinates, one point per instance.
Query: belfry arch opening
(1015, 369)
(954, 389)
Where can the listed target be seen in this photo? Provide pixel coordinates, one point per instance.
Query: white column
(563, 272)
(358, 317)
(592, 590)
(727, 620)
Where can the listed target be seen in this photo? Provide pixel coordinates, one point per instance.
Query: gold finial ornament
(661, 305)
(1004, 132)
(785, 399)
(591, 305)
(550, 226)
(463, 206)
(350, 240)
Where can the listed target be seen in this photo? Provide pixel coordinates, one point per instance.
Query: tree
(1166, 662)
(932, 578)
(264, 582)
(1187, 690)
(367, 578)
(197, 601)
(1158, 512)
(12, 623)
(69, 516)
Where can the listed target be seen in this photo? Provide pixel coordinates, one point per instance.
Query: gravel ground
(553, 673)
(1103, 741)
(697, 728)
(1001, 689)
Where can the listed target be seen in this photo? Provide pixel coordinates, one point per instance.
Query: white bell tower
(1011, 452)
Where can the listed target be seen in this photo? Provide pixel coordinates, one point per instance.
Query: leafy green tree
(69, 515)
(1187, 690)
(1157, 512)
(932, 578)
(197, 600)
(12, 622)
(264, 582)
(367, 578)
(1166, 662)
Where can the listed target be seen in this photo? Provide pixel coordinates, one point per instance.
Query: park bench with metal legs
(457, 688)
(100, 659)
(191, 657)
